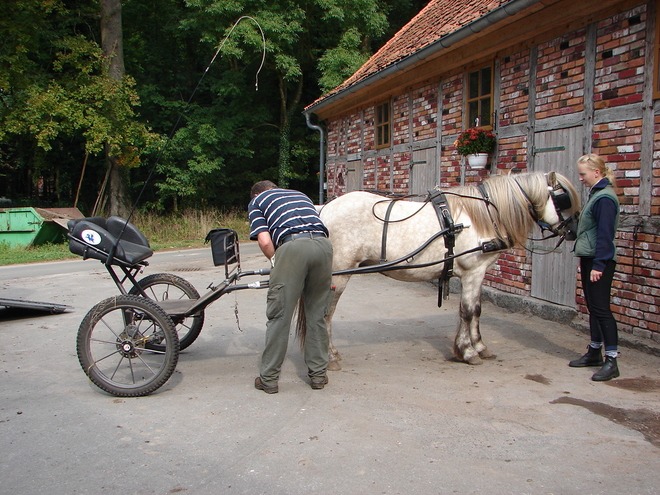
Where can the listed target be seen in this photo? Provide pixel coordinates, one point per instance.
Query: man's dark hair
(262, 186)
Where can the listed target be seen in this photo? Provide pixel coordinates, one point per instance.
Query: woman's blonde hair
(595, 162)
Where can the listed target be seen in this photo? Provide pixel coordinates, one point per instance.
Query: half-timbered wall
(598, 77)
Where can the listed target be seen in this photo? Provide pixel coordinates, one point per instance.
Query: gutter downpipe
(493, 17)
(321, 155)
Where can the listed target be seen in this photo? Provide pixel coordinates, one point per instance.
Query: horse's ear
(552, 178)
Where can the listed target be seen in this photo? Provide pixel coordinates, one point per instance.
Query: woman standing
(595, 247)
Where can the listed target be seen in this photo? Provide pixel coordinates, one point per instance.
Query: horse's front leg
(468, 345)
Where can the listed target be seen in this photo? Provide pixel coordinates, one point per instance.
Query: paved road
(401, 417)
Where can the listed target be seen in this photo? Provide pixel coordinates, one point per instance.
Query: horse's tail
(301, 323)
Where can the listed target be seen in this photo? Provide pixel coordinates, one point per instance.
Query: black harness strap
(439, 202)
(530, 205)
(386, 222)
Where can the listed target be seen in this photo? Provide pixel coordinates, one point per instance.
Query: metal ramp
(52, 308)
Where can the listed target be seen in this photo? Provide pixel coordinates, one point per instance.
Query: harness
(441, 207)
(448, 229)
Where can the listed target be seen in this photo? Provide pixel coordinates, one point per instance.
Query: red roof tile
(438, 19)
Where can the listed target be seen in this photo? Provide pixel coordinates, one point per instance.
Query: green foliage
(338, 64)
(185, 229)
(57, 109)
(54, 88)
(32, 254)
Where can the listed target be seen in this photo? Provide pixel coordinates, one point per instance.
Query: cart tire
(162, 286)
(116, 346)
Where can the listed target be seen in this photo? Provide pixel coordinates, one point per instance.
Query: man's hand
(595, 275)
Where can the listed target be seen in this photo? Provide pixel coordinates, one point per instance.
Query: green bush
(180, 230)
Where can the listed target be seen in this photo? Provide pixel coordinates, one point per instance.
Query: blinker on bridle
(561, 201)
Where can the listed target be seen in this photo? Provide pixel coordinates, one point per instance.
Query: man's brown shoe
(319, 383)
(258, 384)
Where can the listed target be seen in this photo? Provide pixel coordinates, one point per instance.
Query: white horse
(500, 214)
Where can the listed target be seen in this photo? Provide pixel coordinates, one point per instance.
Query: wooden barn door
(424, 174)
(554, 274)
(354, 176)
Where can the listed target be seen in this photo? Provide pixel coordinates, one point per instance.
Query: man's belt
(300, 235)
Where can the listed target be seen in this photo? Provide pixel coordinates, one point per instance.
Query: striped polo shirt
(283, 212)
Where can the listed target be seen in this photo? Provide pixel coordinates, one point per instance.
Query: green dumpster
(30, 226)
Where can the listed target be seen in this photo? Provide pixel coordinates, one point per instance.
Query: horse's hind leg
(339, 284)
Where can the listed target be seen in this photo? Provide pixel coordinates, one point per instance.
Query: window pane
(484, 118)
(386, 112)
(473, 113)
(485, 81)
(473, 84)
(386, 134)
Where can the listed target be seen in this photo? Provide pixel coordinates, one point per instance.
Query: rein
(386, 221)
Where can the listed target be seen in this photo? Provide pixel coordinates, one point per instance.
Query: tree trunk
(286, 113)
(113, 51)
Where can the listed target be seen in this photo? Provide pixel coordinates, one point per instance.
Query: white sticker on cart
(91, 237)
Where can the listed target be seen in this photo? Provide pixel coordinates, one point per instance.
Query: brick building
(553, 79)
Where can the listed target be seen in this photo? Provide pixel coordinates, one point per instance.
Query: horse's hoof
(474, 360)
(334, 366)
(487, 355)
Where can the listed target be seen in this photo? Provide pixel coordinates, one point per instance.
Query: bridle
(561, 200)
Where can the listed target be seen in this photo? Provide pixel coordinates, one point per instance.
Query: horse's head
(559, 215)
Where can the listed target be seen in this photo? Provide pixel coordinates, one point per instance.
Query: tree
(298, 34)
(112, 44)
(65, 101)
(57, 99)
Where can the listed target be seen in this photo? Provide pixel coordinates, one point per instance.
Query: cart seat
(94, 237)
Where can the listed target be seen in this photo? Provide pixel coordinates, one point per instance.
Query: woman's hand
(595, 275)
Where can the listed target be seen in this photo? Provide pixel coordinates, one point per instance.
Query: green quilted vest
(585, 243)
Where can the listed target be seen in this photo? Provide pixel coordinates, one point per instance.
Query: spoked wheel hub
(128, 349)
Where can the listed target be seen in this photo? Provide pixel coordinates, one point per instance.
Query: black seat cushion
(94, 237)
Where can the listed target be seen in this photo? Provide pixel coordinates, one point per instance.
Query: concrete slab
(401, 417)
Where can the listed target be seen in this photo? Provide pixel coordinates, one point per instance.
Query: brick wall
(560, 76)
(451, 124)
(636, 294)
(514, 92)
(354, 134)
(400, 119)
(425, 112)
(655, 178)
(401, 173)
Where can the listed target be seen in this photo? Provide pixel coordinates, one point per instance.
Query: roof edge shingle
(444, 22)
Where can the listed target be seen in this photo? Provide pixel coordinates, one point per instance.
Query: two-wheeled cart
(129, 344)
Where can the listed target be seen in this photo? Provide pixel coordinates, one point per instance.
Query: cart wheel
(163, 286)
(117, 342)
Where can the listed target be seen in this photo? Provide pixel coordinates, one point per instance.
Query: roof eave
(493, 17)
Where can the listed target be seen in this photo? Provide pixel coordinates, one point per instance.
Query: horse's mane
(510, 218)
